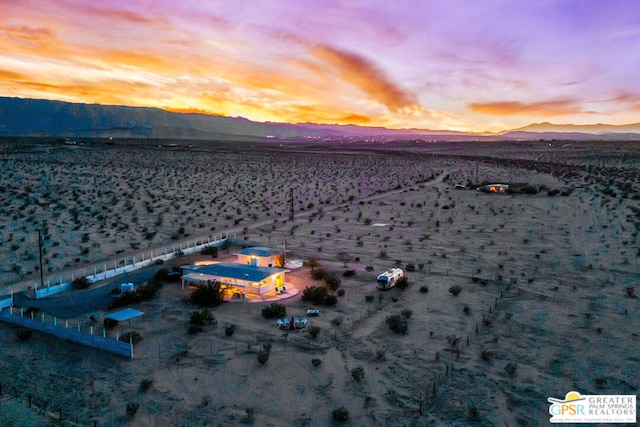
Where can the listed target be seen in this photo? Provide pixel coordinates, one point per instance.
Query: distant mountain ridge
(47, 118)
(599, 128)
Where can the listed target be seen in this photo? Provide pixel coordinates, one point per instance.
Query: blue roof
(260, 251)
(126, 314)
(232, 270)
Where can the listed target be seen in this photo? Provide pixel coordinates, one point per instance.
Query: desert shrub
(453, 340)
(332, 282)
(210, 250)
(455, 290)
(553, 192)
(110, 323)
(132, 336)
(397, 324)
(319, 274)
(199, 319)
(402, 283)
(357, 373)
(318, 295)
(487, 355)
(424, 289)
(510, 369)
(410, 267)
(132, 408)
(601, 383)
(466, 309)
(172, 275)
(368, 298)
(340, 414)
(313, 331)
(529, 189)
(316, 362)
(349, 273)
(229, 330)
(263, 356)
(341, 292)
(81, 283)
(24, 334)
(146, 384)
(141, 293)
(474, 414)
(406, 313)
(630, 291)
(337, 321)
(209, 295)
(315, 294)
(274, 310)
(369, 268)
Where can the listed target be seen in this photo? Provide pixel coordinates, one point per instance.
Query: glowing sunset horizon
(451, 65)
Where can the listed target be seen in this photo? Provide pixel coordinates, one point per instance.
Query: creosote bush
(24, 334)
(145, 384)
(274, 310)
(455, 290)
(402, 283)
(510, 369)
(132, 336)
(209, 295)
(81, 283)
(229, 330)
(318, 295)
(397, 323)
(340, 414)
(313, 331)
(357, 373)
(424, 289)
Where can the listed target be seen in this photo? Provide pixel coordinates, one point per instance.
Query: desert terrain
(548, 280)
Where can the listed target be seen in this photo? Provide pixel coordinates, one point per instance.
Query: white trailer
(388, 279)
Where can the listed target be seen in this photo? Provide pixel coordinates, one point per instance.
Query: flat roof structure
(260, 251)
(126, 314)
(250, 273)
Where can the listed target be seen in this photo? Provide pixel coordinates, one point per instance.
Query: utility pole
(291, 213)
(40, 250)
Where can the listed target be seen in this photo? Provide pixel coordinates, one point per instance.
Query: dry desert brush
(209, 295)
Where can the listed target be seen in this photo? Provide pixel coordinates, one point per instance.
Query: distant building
(236, 279)
(495, 188)
(260, 256)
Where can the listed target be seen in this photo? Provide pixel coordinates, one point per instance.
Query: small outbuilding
(261, 257)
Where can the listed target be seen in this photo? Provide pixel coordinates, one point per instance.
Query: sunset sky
(465, 65)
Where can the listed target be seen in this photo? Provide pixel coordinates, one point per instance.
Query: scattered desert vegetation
(544, 278)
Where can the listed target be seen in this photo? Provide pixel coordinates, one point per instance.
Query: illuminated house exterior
(237, 279)
(259, 256)
(495, 188)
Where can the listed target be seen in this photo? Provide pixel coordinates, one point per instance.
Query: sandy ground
(543, 283)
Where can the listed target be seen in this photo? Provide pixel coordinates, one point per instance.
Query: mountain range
(47, 118)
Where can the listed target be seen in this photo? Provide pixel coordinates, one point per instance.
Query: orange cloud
(362, 73)
(12, 75)
(514, 108)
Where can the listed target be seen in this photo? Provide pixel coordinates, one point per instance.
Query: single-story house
(495, 188)
(260, 256)
(237, 279)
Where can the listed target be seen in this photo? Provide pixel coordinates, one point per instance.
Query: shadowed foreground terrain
(547, 298)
